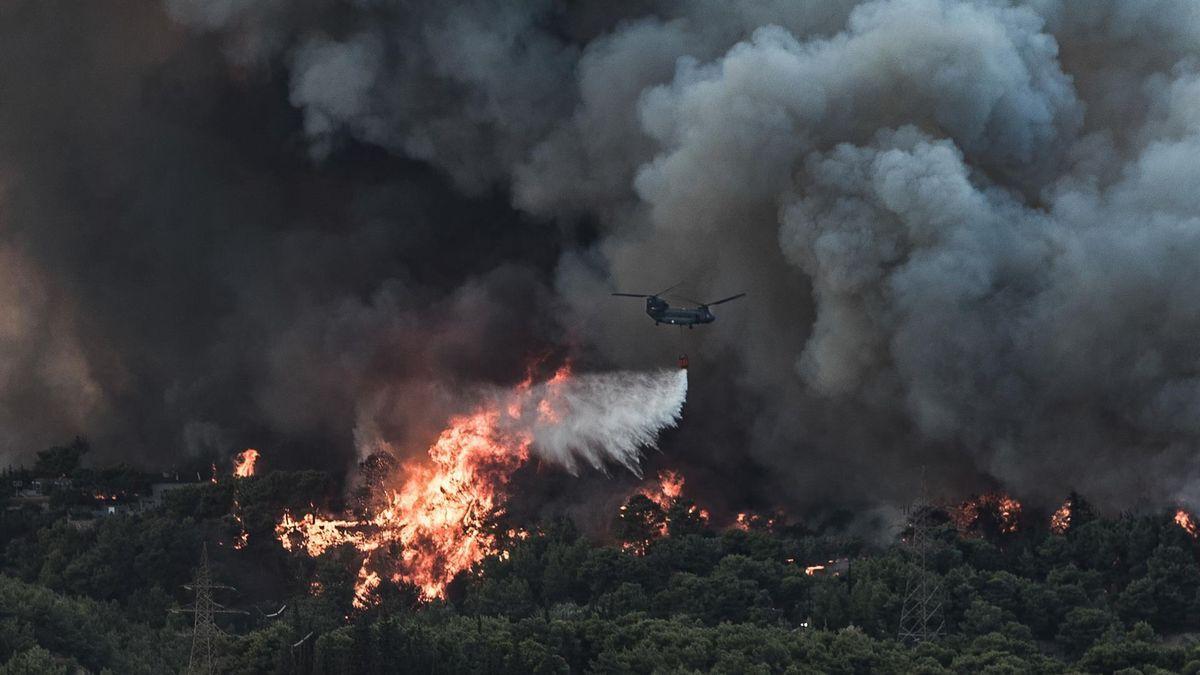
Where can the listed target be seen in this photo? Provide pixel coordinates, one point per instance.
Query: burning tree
(655, 511)
(1073, 512)
(436, 518)
(244, 463)
(990, 514)
(1187, 521)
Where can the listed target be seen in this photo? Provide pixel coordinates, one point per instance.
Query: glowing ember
(1187, 522)
(1060, 521)
(1009, 511)
(1004, 509)
(437, 519)
(753, 521)
(243, 464)
(833, 568)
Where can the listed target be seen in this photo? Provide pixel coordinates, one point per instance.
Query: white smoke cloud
(599, 419)
(593, 419)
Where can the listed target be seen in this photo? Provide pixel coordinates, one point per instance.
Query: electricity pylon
(921, 614)
(205, 631)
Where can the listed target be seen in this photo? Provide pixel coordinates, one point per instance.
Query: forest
(665, 591)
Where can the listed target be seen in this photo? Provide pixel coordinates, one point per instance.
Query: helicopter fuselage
(661, 312)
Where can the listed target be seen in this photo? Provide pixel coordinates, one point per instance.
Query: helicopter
(662, 312)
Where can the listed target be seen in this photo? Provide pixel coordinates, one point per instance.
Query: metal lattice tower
(205, 631)
(921, 614)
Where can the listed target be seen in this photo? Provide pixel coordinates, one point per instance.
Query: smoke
(606, 418)
(967, 229)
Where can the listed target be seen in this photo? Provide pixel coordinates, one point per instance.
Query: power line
(921, 614)
(205, 632)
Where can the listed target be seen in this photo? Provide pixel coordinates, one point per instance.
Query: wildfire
(243, 464)
(664, 493)
(437, 519)
(753, 521)
(667, 491)
(1005, 510)
(834, 568)
(1187, 522)
(1060, 520)
(549, 408)
(243, 467)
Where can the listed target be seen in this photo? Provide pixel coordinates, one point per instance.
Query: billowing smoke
(967, 228)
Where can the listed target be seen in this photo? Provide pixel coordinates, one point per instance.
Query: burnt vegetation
(94, 566)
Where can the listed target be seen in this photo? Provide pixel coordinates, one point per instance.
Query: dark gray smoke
(969, 230)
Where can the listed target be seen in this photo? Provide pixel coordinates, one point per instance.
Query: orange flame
(1060, 521)
(442, 508)
(243, 467)
(548, 407)
(1006, 510)
(664, 493)
(753, 521)
(438, 518)
(1187, 522)
(668, 490)
(243, 464)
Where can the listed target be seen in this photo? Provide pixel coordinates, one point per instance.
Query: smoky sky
(969, 231)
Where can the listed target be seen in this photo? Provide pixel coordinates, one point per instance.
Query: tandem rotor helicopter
(662, 312)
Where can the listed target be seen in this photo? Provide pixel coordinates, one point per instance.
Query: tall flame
(243, 467)
(243, 464)
(437, 516)
(441, 509)
(1187, 522)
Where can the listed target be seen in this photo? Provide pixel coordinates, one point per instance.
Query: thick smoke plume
(968, 230)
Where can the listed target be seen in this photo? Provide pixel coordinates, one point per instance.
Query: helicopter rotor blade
(668, 290)
(732, 297)
(634, 295)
